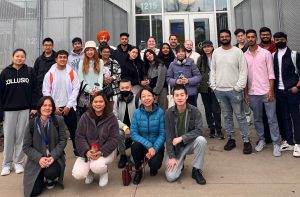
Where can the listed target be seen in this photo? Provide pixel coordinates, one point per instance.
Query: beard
(225, 42)
(266, 41)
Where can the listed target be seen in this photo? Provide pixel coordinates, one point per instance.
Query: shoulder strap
(31, 125)
(136, 101)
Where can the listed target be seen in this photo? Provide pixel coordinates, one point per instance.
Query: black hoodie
(18, 89)
(41, 66)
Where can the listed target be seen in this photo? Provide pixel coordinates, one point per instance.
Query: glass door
(195, 27)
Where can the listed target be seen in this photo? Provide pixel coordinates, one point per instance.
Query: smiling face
(77, 46)
(46, 108)
(151, 44)
(61, 60)
(90, 52)
(208, 49)
(181, 55)
(105, 53)
(265, 37)
(150, 57)
(18, 58)
(147, 98)
(98, 104)
(133, 54)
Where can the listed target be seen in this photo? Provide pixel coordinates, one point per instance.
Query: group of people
(38, 102)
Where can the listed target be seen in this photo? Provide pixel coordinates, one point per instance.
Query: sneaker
(247, 148)
(5, 171)
(276, 150)
(19, 168)
(285, 146)
(220, 135)
(230, 145)
(296, 152)
(50, 184)
(212, 133)
(103, 181)
(90, 178)
(197, 175)
(123, 161)
(260, 145)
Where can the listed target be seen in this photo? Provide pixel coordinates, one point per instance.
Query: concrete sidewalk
(228, 174)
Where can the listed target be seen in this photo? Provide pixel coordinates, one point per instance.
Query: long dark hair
(204, 61)
(157, 61)
(138, 58)
(107, 109)
(167, 59)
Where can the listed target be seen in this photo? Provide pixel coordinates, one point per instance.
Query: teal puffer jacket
(148, 128)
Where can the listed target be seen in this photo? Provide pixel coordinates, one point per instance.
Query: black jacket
(41, 66)
(121, 55)
(18, 89)
(133, 71)
(289, 77)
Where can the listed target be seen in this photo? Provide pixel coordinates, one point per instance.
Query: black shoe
(212, 133)
(137, 177)
(153, 172)
(220, 135)
(197, 175)
(230, 145)
(123, 161)
(247, 148)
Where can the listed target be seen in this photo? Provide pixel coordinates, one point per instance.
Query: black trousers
(71, 122)
(50, 173)
(138, 152)
(212, 110)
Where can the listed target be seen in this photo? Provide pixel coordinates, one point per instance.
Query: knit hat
(207, 43)
(103, 34)
(90, 44)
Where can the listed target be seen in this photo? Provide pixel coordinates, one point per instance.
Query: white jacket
(72, 85)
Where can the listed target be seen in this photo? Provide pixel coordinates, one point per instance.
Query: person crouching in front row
(184, 136)
(97, 140)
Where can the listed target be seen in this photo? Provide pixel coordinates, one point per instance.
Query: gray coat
(34, 148)
(193, 128)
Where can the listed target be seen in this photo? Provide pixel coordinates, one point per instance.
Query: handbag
(126, 174)
(170, 98)
(108, 89)
(83, 98)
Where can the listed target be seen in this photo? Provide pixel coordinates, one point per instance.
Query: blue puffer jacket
(148, 128)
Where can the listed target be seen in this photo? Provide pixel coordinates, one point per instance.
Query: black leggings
(50, 173)
(138, 152)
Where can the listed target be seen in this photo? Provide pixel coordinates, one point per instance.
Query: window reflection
(157, 30)
(142, 31)
(188, 5)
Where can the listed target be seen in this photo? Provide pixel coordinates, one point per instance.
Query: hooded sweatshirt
(18, 88)
(74, 59)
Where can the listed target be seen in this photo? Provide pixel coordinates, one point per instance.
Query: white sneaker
(103, 179)
(90, 178)
(285, 146)
(260, 146)
(276, 150)
(19, 168)
(5, 171)
(296, 152)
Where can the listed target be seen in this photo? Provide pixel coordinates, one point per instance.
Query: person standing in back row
(228, 78)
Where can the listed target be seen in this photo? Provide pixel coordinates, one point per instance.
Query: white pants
(14, 127)
(81, 168)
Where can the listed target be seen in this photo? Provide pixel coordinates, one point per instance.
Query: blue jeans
(257, 103)
(288, 115)
(232, 102)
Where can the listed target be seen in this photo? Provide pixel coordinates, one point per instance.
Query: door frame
(188, 19)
